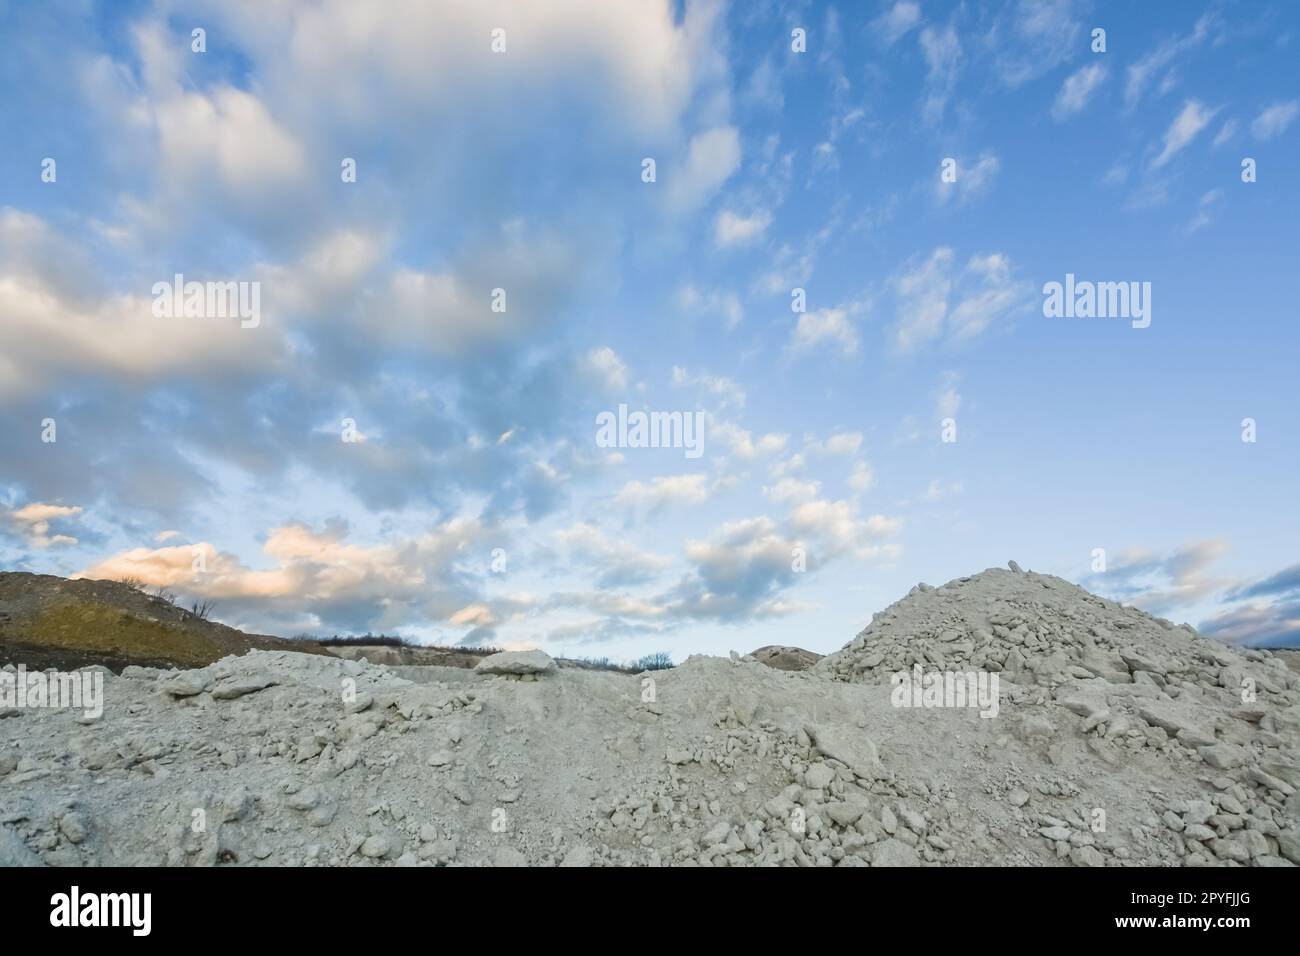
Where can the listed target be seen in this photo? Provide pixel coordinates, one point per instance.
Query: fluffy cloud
(741, 443)
(609, 369)
(672, 489)
(711, 159)
(835, 529)
(32, 522)
(825, 327)
(863, 478)
(844, 444)
(1267, 615)
(1258, 624)
(55, 330)
(733, 229)
(792, 489)
(737, 574)
(318, 578)
(419, 54)
(1159, 583)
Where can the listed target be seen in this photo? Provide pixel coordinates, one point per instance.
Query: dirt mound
(48, 621)
(1108, 738)
(785, 658)
(1032, 627)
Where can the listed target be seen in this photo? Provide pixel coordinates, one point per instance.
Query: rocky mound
(785, 658)
(49, 621)
(1115, 740)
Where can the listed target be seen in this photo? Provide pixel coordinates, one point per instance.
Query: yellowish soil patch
(89, 627)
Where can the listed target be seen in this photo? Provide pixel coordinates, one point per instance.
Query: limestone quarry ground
(1119, 740)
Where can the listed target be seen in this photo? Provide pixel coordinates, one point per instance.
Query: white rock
(241, 687)
(818, 776)
(893, 852)
(516, 662)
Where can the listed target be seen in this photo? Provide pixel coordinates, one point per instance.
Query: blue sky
(476, 504)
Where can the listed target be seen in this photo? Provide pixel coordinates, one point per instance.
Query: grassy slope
(47, 621)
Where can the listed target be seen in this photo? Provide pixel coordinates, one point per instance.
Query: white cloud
(1042, 34)
(862, 478)
(988, 293)
(608, 368)
(1141, 72)
(898, 20)
(1204, 211)
(764, 86)
(450, 311)
(1159, 583)
(938, 489)
(972, 180)
(57, 330)
(837, 444)
(935, 300)
(728, 392)
(1274, 120)
(619, 561)
(825, 327)
(943, 55)
(731, 229)
(1076, 90)
(712, 303)
(228, 133)
(711, 159)
(795, 464)
(923, 294)
(741, 442)
(837, 529)
(1226, 132)
(844, 443)
(1193, 118)
(314, 570)
(33, 522)
(949, 401)
(792, 489)
(639, 60)
(677, 489)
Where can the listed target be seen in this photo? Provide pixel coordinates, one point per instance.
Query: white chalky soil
(1119, 740)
